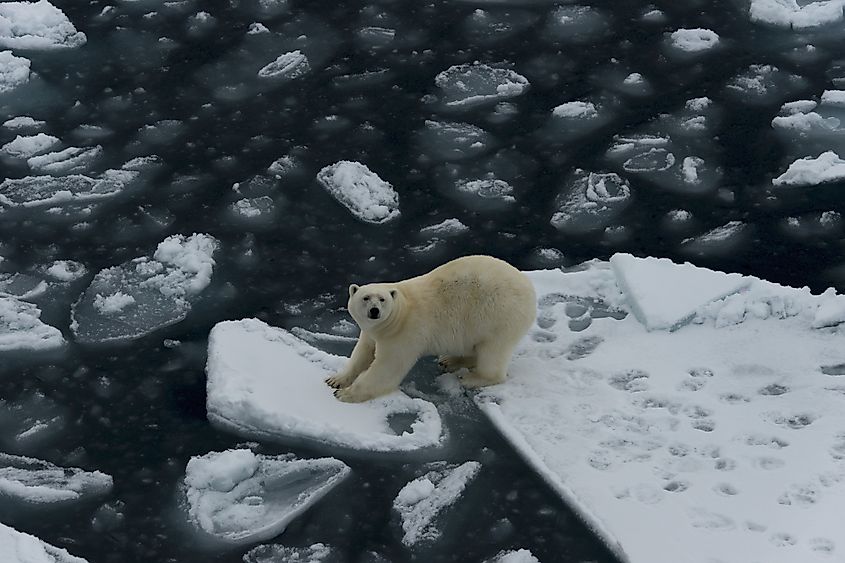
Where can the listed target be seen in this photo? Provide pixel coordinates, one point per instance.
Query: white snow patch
(14, 71)
(809, 171)
(22, 329)
(114, 303)
(37, 25)
(19, 547)
(27, 146)
(796, 15)
(694, 40)
(39, 482)
(361, 191)
(576, 110)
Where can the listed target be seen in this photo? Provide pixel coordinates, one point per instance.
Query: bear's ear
(353, 288)
(393, 293)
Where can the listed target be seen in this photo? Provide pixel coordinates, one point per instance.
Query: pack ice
(685, 414)
(264, 382)
(18, 547)
(147, 293)
(31, 481)
(21, 327)
(37, 25)
(240, 497)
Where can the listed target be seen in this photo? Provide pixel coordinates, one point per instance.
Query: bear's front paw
(338, 381)
(348, 396)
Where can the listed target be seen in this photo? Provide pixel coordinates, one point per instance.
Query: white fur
(471, 312)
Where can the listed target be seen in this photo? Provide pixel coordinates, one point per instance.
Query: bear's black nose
(373, 313)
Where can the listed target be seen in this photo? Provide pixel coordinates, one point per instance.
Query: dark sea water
(136, 410)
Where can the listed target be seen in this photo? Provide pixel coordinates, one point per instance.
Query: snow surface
(240, 497)
(39, 482)
(14, 71)
(21, 327)
(719, 440)
(264, 382)
(516, 556)
(37, 25)
(145, 294)
(795, 14)
(809, 171)
(421, 501)
(19, 547)
(361, 191)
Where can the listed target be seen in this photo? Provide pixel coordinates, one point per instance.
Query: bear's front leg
(361, 358)
(382, 377)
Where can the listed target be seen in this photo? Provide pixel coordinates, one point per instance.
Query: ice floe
(27, 146)
(316, 553)
(37, 25)
(796, 15)
(44, 191)
(421, 501)
(730, 445)
(361, 191)
(239, 497)
(590, 201)
(264, 382)
(19, 547)
(35, 482)
(286, 66)
(828, 167)
(514, 556)
(147, 293)
(449, 141)
(14, 71)
(693, 40)
(21, 327)
(467, 85)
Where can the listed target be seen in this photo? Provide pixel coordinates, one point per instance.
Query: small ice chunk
(576, 110)
(361, 191)
(18, 547)
(590, 201)
(689, 169)
(40, 191)
(441, 140)
(66, 270)
(468, 85)
(489, 188)
(805, 122)
(694, 40)
(664, 295)
(796, 15)
(763, 84)
(833, 98)
(144, 294)
(22, 329)
(239, 497)
(23, 122)
(831, 309)
(286, 66)
(67, 161)
(515, 556)
(449, 227)
(275, 553)
(14, 71)
(252, 208)
(809, 171)
(37, 25)
(29, 145)
(34, 482)
(264, 382)
(423, 499)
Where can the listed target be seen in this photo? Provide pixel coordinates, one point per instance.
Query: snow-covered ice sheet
(37, 25)
(720, 441)
(828, 167)
(147, 293)
(19, 547)
(22, 329)
(796, 14)
(361, 191)
(34, 481)
(240, 497)
(421, 501)
(264, 382)
(515, 556)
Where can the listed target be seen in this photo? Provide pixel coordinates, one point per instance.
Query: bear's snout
(373, 313)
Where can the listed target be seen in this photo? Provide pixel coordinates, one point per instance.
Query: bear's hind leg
(491, 365)
(451, 364)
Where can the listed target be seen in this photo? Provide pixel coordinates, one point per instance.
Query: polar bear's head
(371, 305)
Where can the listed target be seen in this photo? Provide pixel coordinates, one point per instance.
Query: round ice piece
(591, 200)
(693, 40)
(287, 66)
(468, 85)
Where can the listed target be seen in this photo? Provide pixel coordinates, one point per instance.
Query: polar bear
(470, 312)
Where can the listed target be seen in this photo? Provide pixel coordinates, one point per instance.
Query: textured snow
(361, 191)
(239, 497)
(422, 500)
(145, 294)
(14, 71)
(275, 553)
(576, 109)
(264, 382)
(694, 40)
(828, 167)
(515, 556)
(66, 161)
(26, 146)
(795, 14)
(37, 25)
(39, 482)
(720, 439)
(21, 327)
(19, 547)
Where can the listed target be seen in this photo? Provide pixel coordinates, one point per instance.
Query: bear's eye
(367, 298)
(381, 299)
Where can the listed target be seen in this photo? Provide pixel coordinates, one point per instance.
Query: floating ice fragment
(763, 84)
(239, 497)
(286, 66)
(22, 329)
(67, 161)
(590, 201)
(828, 167)
(37, 25)
(36, 482)
(256, 28)
(29, 422)
(275, 553)
(39, 191)
(796, 15)
(264, 382)
(421, 501)
(66, 270)
(576, 109)
(18, 547)
(694, 40)
(144, 294)
(468, 85)
(29, 145)
(451, 141)
(14, 71)
(718, 240)
(23, 122)
(664, 295)
(487, 188)
(449, 227)
(361, 191)
(514, 556)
